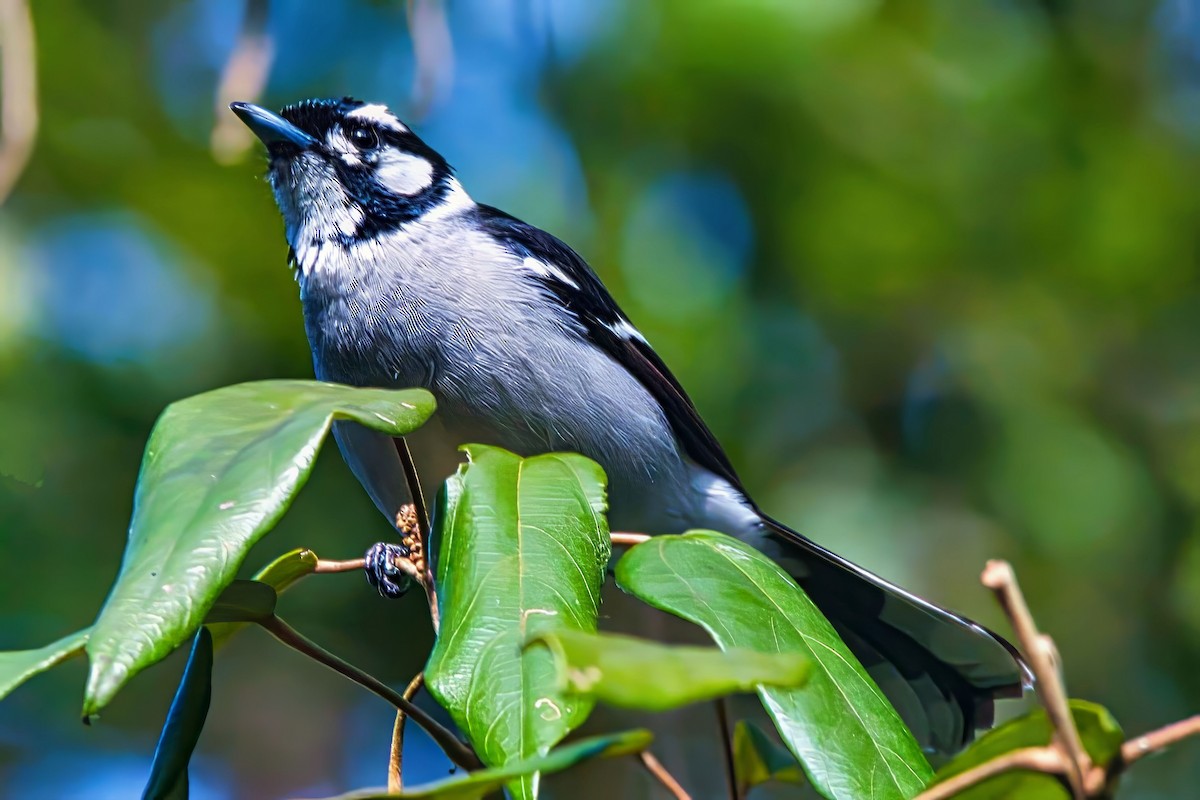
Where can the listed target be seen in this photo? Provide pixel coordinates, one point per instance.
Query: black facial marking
(383, 210)
(362, 137)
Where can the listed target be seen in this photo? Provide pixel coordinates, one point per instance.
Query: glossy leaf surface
(847, 736)
(18, 666)
(524, 545)
(636, 673)
(219, 470)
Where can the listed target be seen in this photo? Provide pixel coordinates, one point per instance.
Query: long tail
(941, 671)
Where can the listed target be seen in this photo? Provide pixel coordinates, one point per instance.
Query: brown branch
(458, 752)
(18, 92)
(626, 539)
(433, 51)
(421, 530)
(1064, 758)
(1044, 661)
(395, 782)
(1049, 760)
(435, 615)
(243, 78)
(409, 567)
(655, 768)
(326, 566)
(1053, 760)
(1160, 739)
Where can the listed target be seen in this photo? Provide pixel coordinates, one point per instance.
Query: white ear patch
(403, 173)
(379, 115)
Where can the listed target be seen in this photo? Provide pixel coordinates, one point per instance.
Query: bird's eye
(363, 138)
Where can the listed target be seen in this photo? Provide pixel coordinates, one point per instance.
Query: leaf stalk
(458, 752)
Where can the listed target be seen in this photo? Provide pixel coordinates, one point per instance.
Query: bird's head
(345, 171)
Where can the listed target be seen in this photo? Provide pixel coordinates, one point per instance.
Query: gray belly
(568, 396)
(577, 401)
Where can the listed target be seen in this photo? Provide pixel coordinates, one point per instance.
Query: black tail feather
(943, 672)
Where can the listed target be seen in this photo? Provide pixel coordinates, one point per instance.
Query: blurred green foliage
(928, 268)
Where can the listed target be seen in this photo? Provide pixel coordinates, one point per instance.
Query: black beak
(271, 128)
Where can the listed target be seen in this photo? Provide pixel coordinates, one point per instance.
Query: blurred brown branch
(655, 768)
(395, 781)
(326, 566)
(18, 92)
(244, 77)
(1160, 739)
(433, 50)
(1064, 758)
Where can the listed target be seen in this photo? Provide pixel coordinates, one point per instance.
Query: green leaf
(847, 736)
(524, 544)
(635, 673)
(220, 469)
(757, 759)
(479, 785)
(1101, 735)
(18, 666)
(280, 574)
(185, 720)
(243, 601)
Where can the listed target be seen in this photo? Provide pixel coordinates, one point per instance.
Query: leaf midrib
(810, 641)
(879, 747)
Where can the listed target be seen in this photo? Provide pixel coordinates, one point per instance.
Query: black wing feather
(601, 321)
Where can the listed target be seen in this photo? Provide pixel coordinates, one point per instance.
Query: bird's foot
(386, 568)
(391, 568)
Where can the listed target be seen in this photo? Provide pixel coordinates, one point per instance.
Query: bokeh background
(928, 267)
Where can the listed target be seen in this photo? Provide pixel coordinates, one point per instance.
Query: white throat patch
(315, 207)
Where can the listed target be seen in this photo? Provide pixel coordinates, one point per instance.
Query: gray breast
(448, 309)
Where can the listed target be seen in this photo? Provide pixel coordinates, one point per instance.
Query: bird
(405, 280)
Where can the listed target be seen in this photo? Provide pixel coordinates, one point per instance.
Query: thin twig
(396, 758)
(424, 532)
(414, 482)
(18, 92)
(1160, 739)
(655, 768)
(243, 78)
(1043, 660)
(325, 565)
(1064, 758)
(626, 539)
(1036, 759)
(458, 752)
(727, 748)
